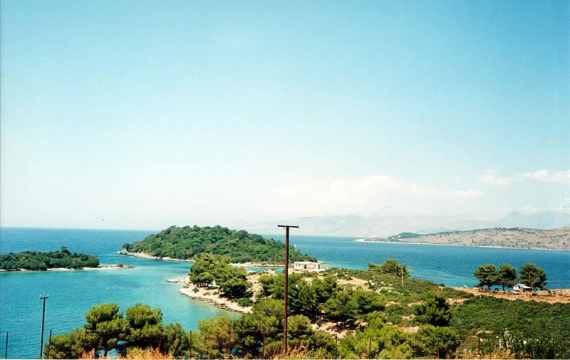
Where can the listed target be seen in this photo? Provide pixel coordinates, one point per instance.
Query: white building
(306, 265)
(521, 288)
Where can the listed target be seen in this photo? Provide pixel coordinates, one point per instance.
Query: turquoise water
(73, 293)
(449, 265)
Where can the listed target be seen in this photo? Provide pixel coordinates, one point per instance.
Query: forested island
(42, 261)
(186, 243)
(553, 239)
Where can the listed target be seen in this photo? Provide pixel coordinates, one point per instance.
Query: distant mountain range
(385, 226)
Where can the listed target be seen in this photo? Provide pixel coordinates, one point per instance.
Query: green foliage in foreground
(530, 318)
(435, 310)
(478, 327)
(36, 260)
(107, 328)
(530, 329)
(188, 242)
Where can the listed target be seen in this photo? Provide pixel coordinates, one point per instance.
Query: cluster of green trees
(254, 335)
(188, 242)
(506, 276)
(209, 268)
(37, 260)
(107, 328)
(390, 267)
(319, 299)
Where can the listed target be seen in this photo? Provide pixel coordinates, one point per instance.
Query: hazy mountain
(384, 226)
(370, 226)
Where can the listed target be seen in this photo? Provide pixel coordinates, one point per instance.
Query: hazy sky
(143, 114)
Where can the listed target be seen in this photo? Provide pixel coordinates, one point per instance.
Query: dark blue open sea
(73, 293)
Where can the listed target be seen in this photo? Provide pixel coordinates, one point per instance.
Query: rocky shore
(211, 296)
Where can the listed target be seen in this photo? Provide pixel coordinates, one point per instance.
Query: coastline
(100, 267)
(166, 258)
(211, 297)
(147, 256)
(461, 245)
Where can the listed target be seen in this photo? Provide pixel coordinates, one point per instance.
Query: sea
(73, 293)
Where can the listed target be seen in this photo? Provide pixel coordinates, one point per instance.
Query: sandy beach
(100, 267)
(147, 256)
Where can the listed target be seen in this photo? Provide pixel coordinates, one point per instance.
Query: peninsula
(553, 239)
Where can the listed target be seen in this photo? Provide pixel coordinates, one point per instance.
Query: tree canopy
(435, 310)
(208, 268)
(107, 328)
(507, 276)
(391, 267)
(487, 275)
(189, 242)
(533, 276)
(37, 260)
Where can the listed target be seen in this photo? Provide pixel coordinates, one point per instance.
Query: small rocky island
(51, 260)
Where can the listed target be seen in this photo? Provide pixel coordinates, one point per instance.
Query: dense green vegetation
(373, 306)
(506, 276)
(209, 269)
(391, 267)
(107, 328)
(36, 260)
(188, 242)
(498, 320)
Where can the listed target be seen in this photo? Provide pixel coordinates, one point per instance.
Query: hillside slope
(554, 239)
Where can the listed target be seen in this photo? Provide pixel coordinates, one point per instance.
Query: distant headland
(554, 239)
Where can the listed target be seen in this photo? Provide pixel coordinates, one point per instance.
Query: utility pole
(43, 317)
(286, 284)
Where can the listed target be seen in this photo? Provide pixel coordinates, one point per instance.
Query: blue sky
(143, 114)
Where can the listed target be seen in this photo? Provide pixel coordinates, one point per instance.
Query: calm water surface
(73, 293)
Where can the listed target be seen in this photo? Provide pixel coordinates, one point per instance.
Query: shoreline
(461, 245)
(100, 267)
(143, 255)
(210, 297)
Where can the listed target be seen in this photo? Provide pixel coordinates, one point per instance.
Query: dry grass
(553, 296)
